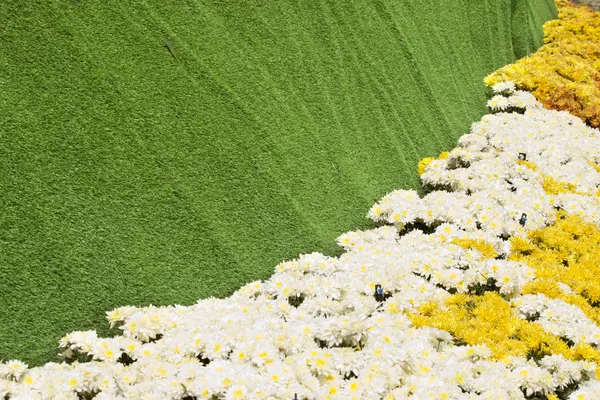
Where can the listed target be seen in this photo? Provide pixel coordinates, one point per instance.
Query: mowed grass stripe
(328, 59)
(344, 62)
(377, 92)
(429, 98)
(269, 140)
(129, 176)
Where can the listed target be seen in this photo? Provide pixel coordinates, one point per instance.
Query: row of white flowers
(557, 317)
(314, 329)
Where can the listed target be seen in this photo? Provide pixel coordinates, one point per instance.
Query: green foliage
(164, 151)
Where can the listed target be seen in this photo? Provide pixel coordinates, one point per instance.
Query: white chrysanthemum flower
(498, 103)
(504, 87)
(522, 99)
(587, 391)
(12, 369)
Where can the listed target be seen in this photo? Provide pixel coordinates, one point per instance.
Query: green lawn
(135, 172)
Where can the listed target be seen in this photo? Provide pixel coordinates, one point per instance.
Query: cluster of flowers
(565, 257)
(315, 330)
(564, 73)
(484, 185)
(557, 317)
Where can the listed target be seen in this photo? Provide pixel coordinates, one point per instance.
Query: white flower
(522, 99)
(498, 103)
(504, 87)
(12, 369)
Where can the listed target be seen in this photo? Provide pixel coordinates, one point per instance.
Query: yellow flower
(426, 161)
(485, 248)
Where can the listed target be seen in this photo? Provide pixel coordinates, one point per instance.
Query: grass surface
(163, 151)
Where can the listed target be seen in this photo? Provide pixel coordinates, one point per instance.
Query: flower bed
(565, 73)
(488, 290)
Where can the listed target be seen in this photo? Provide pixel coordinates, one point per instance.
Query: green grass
(132, 172)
